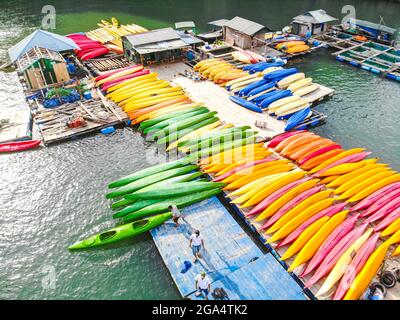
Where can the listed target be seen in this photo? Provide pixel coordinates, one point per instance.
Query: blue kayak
(277, 96)
(246, 90)
(261, 89)
(297, 118)
(264, 96)
(273, 76)
(259, 67)
(246, 104)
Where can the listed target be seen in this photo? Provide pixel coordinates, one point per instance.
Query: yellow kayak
(396, 252)
(279, 203)
(364, 184)
(392, 228)
(342, 169)
(336, 158)
(304, 237)
(300, 84)
(132, 81)
(343, 263)
(375, 187)
(306, 90)
(297, 210)
(272, 188)
(284, 83)
(312, 246)
(351, 175)
(359, 178)
(298, 220)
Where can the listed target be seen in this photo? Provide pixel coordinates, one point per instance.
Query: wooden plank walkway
(17, 125)
(231, 260)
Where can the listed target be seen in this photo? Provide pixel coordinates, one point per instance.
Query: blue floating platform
(231, 260)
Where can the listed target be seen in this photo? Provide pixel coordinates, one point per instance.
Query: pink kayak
(95, 53)
(110, 84)
(19, 146)
(349, 159)
(371, 199)
(243, 167)
(334, 255)
(329, 212)
(384, 211)
(275, 196)
(355, 266)
(110, 73)
(318, 152)
(341, 231)
(290, 205)
(278, 139)
(388, 220)
(381, 202)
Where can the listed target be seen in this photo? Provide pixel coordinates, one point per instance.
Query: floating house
(42, 68)
(314, 22)
(241, 32)
(372, 30)
(215, 31)
(157, 46)
(42, 39)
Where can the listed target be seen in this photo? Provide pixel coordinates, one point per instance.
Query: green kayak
(152, 122)
(183, 178)
(122, 232)
(180, 202)
(165, 123)
(174, 190)
(180, 133)
(144, 182)
(147, 172)
(183, 124)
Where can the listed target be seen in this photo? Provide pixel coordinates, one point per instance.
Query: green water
(52, 197)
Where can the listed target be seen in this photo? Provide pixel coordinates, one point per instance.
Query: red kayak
(19, 146)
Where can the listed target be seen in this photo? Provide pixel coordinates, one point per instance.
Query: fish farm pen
(200, 102)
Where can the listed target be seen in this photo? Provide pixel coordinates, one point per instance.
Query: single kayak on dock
(19, 145)
(122, 232)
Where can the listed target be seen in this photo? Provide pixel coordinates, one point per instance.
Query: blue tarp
(42, 39)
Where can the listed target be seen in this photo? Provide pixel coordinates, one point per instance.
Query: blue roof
(42, 39)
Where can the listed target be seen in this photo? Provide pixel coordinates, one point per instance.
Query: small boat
(19, 145)
(246, 104)
(122, 232)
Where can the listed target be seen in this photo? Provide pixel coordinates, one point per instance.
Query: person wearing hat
(196, 243)
(203, 285)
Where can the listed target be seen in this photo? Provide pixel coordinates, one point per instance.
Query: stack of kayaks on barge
(332, 214)
(266, 87)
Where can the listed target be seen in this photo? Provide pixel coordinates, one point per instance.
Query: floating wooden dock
(101, 65)
(16, 125)
(232, 260)
(99, 114)
(370, 56)
(216, 98)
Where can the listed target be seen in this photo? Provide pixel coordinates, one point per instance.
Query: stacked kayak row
(247, 57)
(218, 70)
(273, 89)
(111, 32)
(330, 218)
(142, 199)
(292, 47)
(89, 49)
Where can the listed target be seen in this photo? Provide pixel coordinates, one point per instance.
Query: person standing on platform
(196, 244)
(203, 285)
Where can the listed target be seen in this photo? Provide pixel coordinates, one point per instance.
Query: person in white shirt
(196, 244)
(176, 215)
(203, 285)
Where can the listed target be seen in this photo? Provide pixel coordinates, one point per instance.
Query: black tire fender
(388, 279)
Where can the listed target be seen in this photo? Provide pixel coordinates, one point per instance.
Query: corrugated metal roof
(160, 46)
(219, 23)
(188, 38)
(372, 25)
(159, 35)
(43, 39)
(245, 26)
(316, 16)
(185, 24)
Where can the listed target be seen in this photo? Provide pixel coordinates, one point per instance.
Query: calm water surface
(51, 197)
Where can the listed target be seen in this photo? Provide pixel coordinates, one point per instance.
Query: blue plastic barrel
(375, 71)
(87, 95)
(354, 63)
(71, 68)
(365, 68)
(108, 130)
